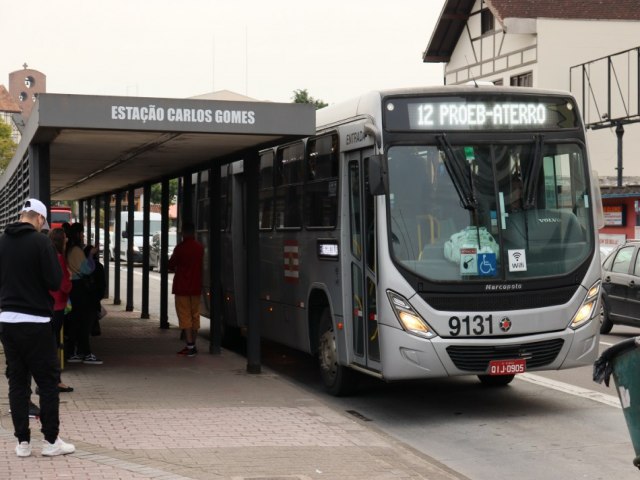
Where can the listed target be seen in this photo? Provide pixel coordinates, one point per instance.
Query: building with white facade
(535, 44)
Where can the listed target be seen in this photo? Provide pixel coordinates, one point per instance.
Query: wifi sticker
(517, 261)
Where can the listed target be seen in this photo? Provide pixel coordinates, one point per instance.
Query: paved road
(551, 425)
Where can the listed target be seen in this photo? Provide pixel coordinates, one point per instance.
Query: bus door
(362, 284)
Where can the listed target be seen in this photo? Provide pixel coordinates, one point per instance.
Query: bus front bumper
(406, 356)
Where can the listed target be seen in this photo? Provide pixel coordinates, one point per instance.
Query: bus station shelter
(98, 149)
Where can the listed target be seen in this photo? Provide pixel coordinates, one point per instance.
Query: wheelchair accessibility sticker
(487, 264)
(474, 263)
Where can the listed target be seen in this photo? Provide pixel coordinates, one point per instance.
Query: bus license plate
(507, 367)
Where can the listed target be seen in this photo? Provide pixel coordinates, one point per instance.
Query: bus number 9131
(476, 325)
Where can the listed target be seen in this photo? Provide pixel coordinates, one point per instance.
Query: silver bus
(426, 233)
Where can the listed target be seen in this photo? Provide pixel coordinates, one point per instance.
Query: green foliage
(156, 192)
(7, 146)
(302, 96)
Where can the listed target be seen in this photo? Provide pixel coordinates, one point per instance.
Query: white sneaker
(59, 447)
(23, 449)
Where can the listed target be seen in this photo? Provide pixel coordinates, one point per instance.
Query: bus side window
(265, 218)
(321, 188)
(288, 191)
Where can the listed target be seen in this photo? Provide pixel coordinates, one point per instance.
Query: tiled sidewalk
(149, 414)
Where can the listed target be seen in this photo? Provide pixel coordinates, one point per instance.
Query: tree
(7, 146)
(156, 192)
(302, 96)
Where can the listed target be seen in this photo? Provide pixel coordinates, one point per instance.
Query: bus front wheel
(338, 379)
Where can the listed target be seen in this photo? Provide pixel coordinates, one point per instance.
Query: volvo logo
(505, 324)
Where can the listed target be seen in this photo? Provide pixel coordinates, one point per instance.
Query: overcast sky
(336, 49)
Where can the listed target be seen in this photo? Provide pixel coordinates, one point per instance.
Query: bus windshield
(489, 211)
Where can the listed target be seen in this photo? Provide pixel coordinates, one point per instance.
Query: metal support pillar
(81, 212)
(619, 134)
(106, 246)
(129, 229)
(87, 227)
(146, 217)
(98, 241)
(117, 238)
(164, 250)
(251, 173)
(215, 262)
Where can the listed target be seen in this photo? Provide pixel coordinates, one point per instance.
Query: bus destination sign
(473, 113)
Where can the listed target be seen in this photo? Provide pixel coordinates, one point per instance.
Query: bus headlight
(410, 320)
(587, 309)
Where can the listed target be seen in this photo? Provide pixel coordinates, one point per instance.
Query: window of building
(288, 186)
(321, 189)
(487, 21)
(522, 80)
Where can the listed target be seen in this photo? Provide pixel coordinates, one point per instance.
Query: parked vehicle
(138, 238)
(155, 249)
(60, 215)
(621, 287)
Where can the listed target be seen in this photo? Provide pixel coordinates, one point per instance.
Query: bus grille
(476, 358)
(487, 301)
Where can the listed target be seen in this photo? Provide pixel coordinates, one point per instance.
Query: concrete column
(39, 174)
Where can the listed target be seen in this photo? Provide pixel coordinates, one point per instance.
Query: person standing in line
(81, 267)
(186, 262)
(60, 296)
(29, 269)
(97, 290)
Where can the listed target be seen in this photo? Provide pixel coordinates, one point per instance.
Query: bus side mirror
(377, 169)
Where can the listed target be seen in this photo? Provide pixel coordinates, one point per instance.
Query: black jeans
(57, 322)
(82, 317)
(30, 349)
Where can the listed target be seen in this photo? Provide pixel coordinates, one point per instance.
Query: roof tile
(566, 9)
(7, 104)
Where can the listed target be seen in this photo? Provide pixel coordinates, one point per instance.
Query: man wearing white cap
(29, 268)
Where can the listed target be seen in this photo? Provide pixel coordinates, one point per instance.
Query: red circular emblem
(505, 324)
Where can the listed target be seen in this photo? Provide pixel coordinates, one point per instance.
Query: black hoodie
(29, 268)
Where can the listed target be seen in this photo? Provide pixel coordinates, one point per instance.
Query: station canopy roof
(100, 144)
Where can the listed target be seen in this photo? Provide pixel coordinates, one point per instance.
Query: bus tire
(605, 322)
(338, 380)
(496, 380)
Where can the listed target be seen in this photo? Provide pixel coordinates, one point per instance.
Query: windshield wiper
(533, 174)
(460, 177)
